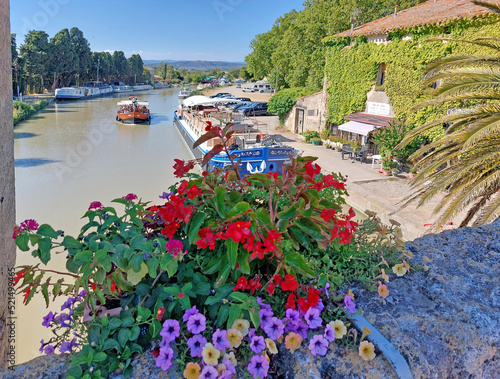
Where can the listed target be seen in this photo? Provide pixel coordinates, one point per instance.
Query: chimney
(395, 10)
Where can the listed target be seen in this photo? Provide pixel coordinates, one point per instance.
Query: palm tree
(470, 149)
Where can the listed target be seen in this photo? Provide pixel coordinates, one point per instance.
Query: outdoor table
(377, 158)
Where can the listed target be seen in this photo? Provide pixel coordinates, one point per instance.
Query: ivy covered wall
(352, 66)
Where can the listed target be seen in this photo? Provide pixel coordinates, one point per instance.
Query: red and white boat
(133, 112)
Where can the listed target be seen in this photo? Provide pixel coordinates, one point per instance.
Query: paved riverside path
(368, 189)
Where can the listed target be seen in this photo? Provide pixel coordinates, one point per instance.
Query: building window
(381, 74)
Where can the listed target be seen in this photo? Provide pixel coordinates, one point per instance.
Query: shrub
(308, 136)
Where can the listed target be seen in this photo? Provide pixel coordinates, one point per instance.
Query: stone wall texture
(7, 193)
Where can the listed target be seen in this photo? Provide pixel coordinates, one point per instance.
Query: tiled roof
(369, 119)
(430, 12)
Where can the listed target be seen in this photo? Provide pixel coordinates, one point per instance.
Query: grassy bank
(23, 111)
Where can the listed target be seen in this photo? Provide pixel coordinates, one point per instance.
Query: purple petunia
(197, 323)
(68, 303)
(263, 305)
(82, 293)
(196, 344)
(349, 304)
(320, 305)
(48, 350)
(292, 315)
(164, 360)
(229, 366)
(313, 319)
(209, 372)
(190, 312)
(257, 344)
(220, 340)
(63, 318)
(67, 347)
(170, 330)
(258, 366)
(274, 328)
(327, 286)
(48, 319)
(329, 333)
(165, 195)
(265, 316)
(318, 345)
(301, 329)
(251, 333)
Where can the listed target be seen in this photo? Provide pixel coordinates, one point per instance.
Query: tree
(82, 49)
(35, 53)
(121, 65)
(106, 65)
(64, 61)
(465, 163)
(136, 66)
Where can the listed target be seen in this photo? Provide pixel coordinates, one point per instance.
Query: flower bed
(223, 270)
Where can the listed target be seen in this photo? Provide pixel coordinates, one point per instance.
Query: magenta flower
(197, 323)
(349, 304)
(196, 344)
(96, 205)
(164, 360)
(220, 340)
(318, 345)
(174, 246)
(329, 333)
(313, 319)
(258, 366)
(274, 328)
(67, 347)
(29, 225)
(130, 197)
(189, 313)
(209, 372)
(257, 344)
(265, 317)
(48, 319)
(170, 330)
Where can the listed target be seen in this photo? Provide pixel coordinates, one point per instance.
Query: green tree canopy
(121, 66)
(36, 52)
(82, 49)
(64, 61)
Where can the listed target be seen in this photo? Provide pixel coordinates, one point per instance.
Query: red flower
(19, 276)
(303, 304)
(239, 231)
(93, 286)
(290, 302)
(312, 169)
(241, 284)
(160, 313)
(254, 284)
(209, 126)
(207, 239)
(270, 289)
(181, 295)
(183, 187)
(277, 279)
(16, 231)
(289, 284)
(313, 297)
(113, 286)
(182, 167)
(328, 214)
(317, 186)
(26, 292)
(156, 352)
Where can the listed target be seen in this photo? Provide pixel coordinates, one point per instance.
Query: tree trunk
(7, 188)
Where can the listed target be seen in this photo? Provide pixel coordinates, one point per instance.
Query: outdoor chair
(360, 155)
(347, 151)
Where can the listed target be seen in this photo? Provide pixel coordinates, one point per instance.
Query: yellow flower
(221, 368)
(210, 354)
(192, 371)
(366, 331)
(242, 325)
(383, 291)
(367, 351)
(235, 337)
(271, 346)
(399, 269)
(231, 358)
(293, 341)
(384, 276)
(340, 329)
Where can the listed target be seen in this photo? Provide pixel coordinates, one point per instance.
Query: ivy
(283, 101)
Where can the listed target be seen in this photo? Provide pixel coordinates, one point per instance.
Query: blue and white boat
(259, 153)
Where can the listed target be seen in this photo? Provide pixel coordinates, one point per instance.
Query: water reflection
(87, 156)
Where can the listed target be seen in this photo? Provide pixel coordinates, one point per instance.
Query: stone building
(308, 114)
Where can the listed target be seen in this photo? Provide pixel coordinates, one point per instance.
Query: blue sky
(156, 29)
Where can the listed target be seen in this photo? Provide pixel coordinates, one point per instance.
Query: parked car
(254, 109)
(238, 85)
(238, 106)
(243, 99)
(248, 89)
(222, 94)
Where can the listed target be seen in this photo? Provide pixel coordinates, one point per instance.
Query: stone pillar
(7, 191)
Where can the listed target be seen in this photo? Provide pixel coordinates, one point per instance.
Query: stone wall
(7, 194)
(314, 110)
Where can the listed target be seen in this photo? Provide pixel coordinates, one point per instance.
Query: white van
(262, 87)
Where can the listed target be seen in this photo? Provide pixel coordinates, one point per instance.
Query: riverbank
(23, 110)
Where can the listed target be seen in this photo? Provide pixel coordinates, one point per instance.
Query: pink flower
(29, 225)
(130, 197)
(96, 205)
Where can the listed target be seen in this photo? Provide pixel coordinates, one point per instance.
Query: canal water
(73, 153)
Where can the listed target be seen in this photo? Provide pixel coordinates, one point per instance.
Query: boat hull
(262, 159)
(133, 118)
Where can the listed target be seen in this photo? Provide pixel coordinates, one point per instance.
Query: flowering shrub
(233, 258)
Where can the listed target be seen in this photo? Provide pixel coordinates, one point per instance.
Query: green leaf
(255, 317)
(234, 313)
(220, 201)
(185, 302)
(223, 275)
(71, 243)
(45, 292)
(241, 207)
(222, 315)
(84, 256)
(239, 296)
(100, 357)
(172, 267)
(100, 275)
(202, 289)
(187, 287)
(263, 216)
(120, 200)
(134, 333)
(22, 242)
(288, 213)
(135, 277)
(123, 336)
(47, 231)
(115, 323)
(297, 262)
(235, 197)
(310, 227)
(143, 313)
(262, 178)
(152, 264)
(212, 266)
(165, 260)
(137, 261)
(243, 262)
(232, 252)
(194, 226)
(172, 291)
(44, 246)
(111, 344)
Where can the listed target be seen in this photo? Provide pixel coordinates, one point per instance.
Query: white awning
(357, 127)
(204, 100)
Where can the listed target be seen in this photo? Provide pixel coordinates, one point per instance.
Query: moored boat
(133, 112)
(70, 93)
(185, 92)
(258, 152)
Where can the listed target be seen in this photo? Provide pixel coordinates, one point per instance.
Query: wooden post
(7, 191)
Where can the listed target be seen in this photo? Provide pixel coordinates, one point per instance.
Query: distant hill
(196, 65)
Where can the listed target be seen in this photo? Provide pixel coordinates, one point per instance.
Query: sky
(156, 29)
